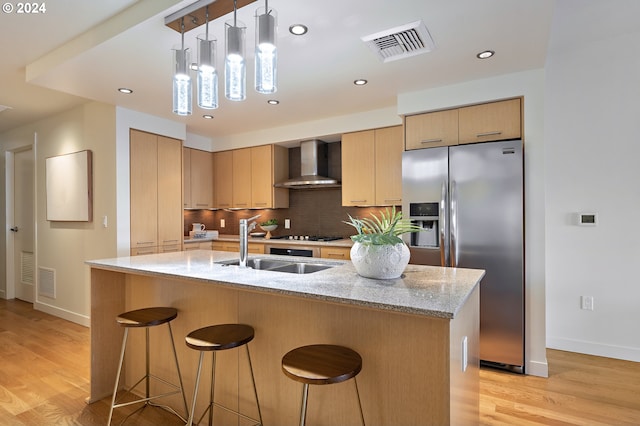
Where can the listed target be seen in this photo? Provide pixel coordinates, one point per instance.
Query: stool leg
(253, 381)
(303, 409)
(213, 386)
(115, 388)
(359, 403)
(147, 363)
(175, 356)
(195, 391)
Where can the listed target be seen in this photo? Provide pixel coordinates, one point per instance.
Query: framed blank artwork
(70, 187)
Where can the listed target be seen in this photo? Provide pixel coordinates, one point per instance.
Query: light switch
(104, 221)
(287, 224)
(222, 224)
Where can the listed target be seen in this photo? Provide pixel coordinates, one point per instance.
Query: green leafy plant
(383, 229)
(273, 221)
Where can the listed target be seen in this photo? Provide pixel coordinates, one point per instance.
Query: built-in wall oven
(292, 250)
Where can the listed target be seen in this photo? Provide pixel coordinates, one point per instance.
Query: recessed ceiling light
(485, 54)
(125, 90)
(273, 102)
(298, 29)
(207, 116)
(360, 82)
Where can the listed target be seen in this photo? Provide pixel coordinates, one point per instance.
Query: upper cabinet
(372, 167)
(493, 121)
(198, 179)
(439, 128)
(490, 122)
(244, 177)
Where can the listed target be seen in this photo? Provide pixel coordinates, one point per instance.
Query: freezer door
(486, 188)
(425, 180)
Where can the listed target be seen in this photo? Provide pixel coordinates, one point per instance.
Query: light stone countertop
(423, 290)
(346, 242)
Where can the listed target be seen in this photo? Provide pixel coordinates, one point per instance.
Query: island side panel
(405, 375)
(107, 301)
(465, 385)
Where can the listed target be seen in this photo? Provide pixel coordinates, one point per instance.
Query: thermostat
(587, 219)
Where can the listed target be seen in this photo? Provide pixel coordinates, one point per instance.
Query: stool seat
(147, 317)
(219, 337)
(321, 364)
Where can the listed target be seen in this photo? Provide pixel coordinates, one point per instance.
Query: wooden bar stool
(218, 338)
(322, 365)
(148, 317)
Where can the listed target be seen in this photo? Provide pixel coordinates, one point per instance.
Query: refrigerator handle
(444, 241)
(454, 225)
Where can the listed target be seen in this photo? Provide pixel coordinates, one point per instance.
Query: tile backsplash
(311, 212)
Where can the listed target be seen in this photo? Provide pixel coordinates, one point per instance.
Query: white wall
(591, 164)
(529, 84)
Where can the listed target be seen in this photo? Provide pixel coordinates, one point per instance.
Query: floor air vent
(47, 282)
(400, 42)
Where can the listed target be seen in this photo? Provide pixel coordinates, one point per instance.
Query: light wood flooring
(44, 380)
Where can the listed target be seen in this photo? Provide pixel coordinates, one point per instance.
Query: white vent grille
(47, 282)
(26, 267)
(400, 42)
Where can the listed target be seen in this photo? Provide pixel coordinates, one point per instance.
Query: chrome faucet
(246, 226)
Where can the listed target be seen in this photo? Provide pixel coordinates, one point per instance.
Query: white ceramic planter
(380, 261)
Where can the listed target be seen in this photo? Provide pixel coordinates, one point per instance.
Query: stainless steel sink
(277, 265)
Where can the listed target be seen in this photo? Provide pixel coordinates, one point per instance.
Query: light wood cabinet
(372, 167)
(254, 248)
(490, 122)
(198, 178)
(204, 245)
(439, 128)
(186, 178)
(223, 179)
(156, 193)
(342, 253)
(244, 178)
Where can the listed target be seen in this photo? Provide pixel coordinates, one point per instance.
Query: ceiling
(82, 50)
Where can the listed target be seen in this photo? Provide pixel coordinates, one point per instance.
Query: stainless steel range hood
(313, 168)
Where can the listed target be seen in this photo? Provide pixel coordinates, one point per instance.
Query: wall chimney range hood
(313, 168)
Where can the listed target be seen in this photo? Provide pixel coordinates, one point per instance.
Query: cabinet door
(262, 177)
(358, 173)
(143, 157)
(490, 122)
(241, 178)
(201, 179)
(170, 214)
(342, 253)
(388, 166)
(186, 178)
(439, 128)
(222, 178)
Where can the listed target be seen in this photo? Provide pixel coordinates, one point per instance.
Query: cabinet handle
(224, 204)
(145, 252)
(169, 241)
(145, 242)
(430, 140)
(260, 204)
(336, 254)
(241, 204)
(497, 132)
(202, 204)
(392, 199)
(357, 201)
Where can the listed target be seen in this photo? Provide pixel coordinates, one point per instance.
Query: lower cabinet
(255, 248)
(342, 253)
(205, 245)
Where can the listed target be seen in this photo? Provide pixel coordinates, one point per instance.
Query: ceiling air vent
(400, 42)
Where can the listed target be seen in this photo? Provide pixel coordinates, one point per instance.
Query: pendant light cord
(182, 31)
(206, 33)
(235, 10)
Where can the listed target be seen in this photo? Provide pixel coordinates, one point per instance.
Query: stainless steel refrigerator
(469, 201)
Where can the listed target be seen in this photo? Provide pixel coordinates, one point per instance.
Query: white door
(23, 226)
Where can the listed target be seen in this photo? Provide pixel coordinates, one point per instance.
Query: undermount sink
(292, 267)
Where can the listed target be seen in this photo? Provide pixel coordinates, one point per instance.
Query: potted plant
(269, 225)
(378, 251)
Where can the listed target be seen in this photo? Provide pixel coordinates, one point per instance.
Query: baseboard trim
(592, 348)
(537, 368)
(63, 313)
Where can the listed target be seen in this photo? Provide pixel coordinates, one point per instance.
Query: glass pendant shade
(266, 51)
(207, 74)
(235, 73)
(181, 82)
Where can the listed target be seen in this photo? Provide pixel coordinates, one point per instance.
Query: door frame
(10, 291)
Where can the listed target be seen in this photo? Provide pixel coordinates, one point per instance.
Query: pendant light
(207, 74)
(181, 79)
(235, 73)
(266, 51)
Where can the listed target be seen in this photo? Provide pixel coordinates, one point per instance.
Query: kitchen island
(417, 335)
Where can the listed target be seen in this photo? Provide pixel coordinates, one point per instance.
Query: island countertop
(422, 290)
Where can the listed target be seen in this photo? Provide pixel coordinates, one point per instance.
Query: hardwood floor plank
(44, 380)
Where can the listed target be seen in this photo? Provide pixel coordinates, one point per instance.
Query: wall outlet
(586, 303)
(287, 224)
(222, 224)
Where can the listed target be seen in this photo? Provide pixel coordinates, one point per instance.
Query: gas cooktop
(306, 237)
